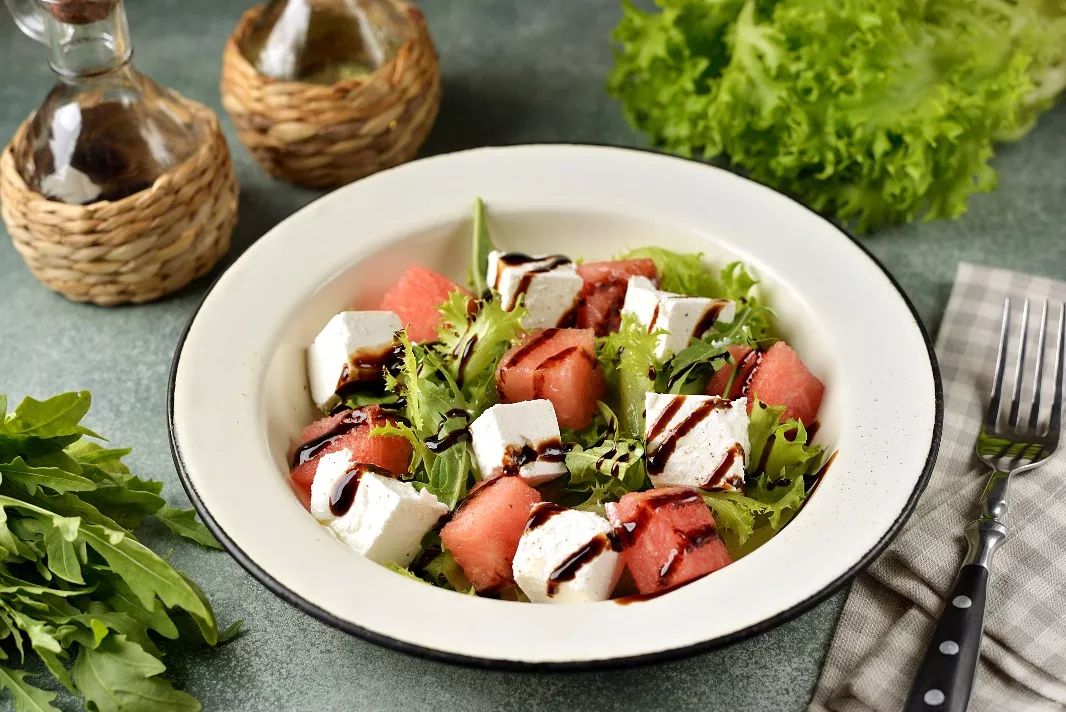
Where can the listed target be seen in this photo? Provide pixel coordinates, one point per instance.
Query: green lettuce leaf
(630, 367)
(875, 113)
(471, 347)
(678, 273)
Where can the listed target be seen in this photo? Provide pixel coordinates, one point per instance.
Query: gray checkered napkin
(889, 613)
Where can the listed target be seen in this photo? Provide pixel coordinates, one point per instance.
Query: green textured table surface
(514, 72)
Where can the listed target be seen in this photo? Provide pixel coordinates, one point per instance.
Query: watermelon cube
(668, 537)
(416, 299)
(600, 305)
(483, 533)
(559, 365)
(781, 378)
(744, 358)
(347, 430)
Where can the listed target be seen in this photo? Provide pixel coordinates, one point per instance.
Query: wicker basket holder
(326, 136)
(132, 250)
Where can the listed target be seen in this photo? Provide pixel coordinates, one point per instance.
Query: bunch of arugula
(76, 587)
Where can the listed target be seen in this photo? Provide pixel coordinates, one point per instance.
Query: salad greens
(440, 388)
(77, 589)
(875, 111)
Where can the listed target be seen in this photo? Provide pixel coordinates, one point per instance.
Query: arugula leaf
(26, 697)
(124, 600)
(119, 675)
(629, 364)
(449, 473)
(62, 558)
(183, 522)
(678, 273)
(53, 478)
(479, 264)
(56, 417)
(147, 575)
(127, 506)
(3, 409)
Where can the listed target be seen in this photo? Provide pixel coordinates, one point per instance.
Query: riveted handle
(945, 676)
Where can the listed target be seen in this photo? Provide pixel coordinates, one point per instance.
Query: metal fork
(1010, 446)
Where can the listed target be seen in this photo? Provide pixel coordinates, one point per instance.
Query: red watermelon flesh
(600, 306)
(668, 536)
(782, 379)
(484, 532)
(349, 429)
(742, 356)
(559, 365)
(416, 299)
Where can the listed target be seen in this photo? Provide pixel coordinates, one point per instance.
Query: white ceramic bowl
(238, 393)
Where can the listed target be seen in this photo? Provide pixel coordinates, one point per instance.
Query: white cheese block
(696, 441)
(519, 438)
(386, 518)
(566, 556)
(331, 468)
(551, 287)
(351, 347)
(682, 317)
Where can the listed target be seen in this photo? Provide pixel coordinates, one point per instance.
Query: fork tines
(1031, 422)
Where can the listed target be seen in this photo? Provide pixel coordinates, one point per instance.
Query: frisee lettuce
(877, 112)
(75, 584)
(471, 346)
(630, 368)
(775, 487)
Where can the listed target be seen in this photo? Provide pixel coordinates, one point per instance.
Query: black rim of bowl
(606, 663)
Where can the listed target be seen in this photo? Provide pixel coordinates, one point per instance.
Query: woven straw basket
(327, 136)
(135, 249)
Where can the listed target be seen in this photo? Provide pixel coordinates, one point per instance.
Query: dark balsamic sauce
(664, 419)
(343, 493)
(439, 441)
(541, 514)
(628, 531)
(463, 351)
(517, 259)
(812, 481)
(567, 570)
(365, 366)
(765, 456)
(657, 460)
(312, 448)
(709, 317)
(545, 367)
(515, 457)
(719, 475)
(757, 357)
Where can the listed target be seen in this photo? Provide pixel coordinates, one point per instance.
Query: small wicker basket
(326, 136)
(136, 249)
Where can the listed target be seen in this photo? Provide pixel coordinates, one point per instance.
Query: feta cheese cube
(696, 441)
(354, 346)
(519, 438)
(683, 317)
(381, 517)
(331, 468)
(566, 556)
(550, 282)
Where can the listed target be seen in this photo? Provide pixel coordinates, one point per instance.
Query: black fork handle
(945, 676)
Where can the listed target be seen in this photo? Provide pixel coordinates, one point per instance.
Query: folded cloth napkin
(889, 614)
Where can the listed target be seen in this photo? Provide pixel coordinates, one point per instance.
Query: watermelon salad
(559, 431)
